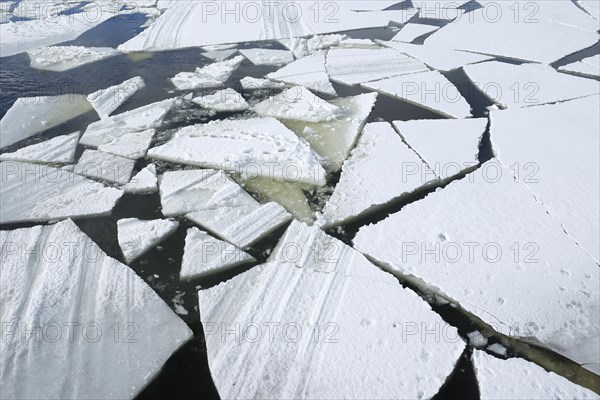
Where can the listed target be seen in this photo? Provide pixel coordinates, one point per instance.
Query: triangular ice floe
(297, 103)
(143, 182)
(137, 237)
(309, 71)
(105, 101)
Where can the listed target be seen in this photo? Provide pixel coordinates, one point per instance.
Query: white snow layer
(260, 56)
(204, 255)
(107, 167)
(144, 182)
(297, 103)
(137, 237)
(70, 307)
(309, 71)
(64, 58)
(223, 100)
(60, 149)
(208, 77)
(296, 323)
(42, 193)
(489, 272)
(105, 101)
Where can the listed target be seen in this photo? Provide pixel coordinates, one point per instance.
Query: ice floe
(448, 146)
(297, 103)
(60, 149)
(31, 115)
(497, 379)
(249, 83)
(144, 182)
(223, 100)
(133, 145)
(510, 85)
(588, 67)
(489, 272)
(219, 55)
(363, 188)
(210, 76)
(67, 306)
(476, 339)
(554, 150)
(302, 47)
(312, 311)
(430, 90)
(260, 56)
(105, 101)
(289, 195)
(354, 66)
(64, 58)
(410, 32)
(250, 147)
(107, 167)
(42, 193)
(137, 237)
(205, 255)
(308, 71)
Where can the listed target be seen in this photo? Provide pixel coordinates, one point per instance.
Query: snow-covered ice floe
(42, 193)
(137, 237)
(214, 201)
(64, 58)
(309, 71)
(133, 145)
(205, 255)
(250, 147)
(56, 279)
(553, 149)
(410, 32)
(297, 103)
(219, 55)
(302, 47)
(104, 166)
(489, 272)
(260, 56)
(249, 83)
(210, 76)
(60, 150)
(223, 100)
(588, 67)
(363, 187)
(105, 101)
(448, 146)
(327, 307)
(497, 379)
(144, 182)
(524, 85)
(31, 115)
(430, 90)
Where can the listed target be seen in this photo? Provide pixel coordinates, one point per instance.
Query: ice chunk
(297, 103)
(210, 76)
(219, 55)
(448, 146)
(489, 272)
(531, 140)
(64, 301)
(411, 32)
(107, 167)
(204, 255)
(132, 145)
(302, 47)
(354, 66)
(137, 237)
(268, 56)
(143, 182)
(492, 30)
(442, 59)
(140, 119)
(510, 85)
(249, 83)
(223, 100)
(60, 149)
(333, 140)
(323, 303)
(308, 71)
(64, 58)
(497, 380)
(105, 101)
(476, 339)
(498, 349)
(42, 193)
(588, 67)
(250, 147)
(430, 90)
(31, 115)
(363, 187)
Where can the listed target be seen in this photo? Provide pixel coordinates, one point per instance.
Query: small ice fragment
(223, 100)
(267, 56)
(476, 339)
(297, 103)
(104, 166)
(64, 58)
(144, 182)
(219, 55)
(249, 83)
(309, 71)
(302, 47)
(137, 237)
(60, 149)
(498, 349)
(210, 76)
(105, 101)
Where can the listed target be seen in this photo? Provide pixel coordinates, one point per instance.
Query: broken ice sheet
(55, 278)
(489, 272)
(144, 182)
(219, 55)
(205, 255)
(314, 309)
(64, 58)
(42, 193)
(260, 56)
(249, 83)
(214, 201)
(354, 66)
(250, 147)
(588, 67)
(448, 146)
(60, 149)
(297, 103)
(363, 188)
(132, 145)
(524, 85)
(430, 90)
(107, 167)
(223, 100)
(105, 101)
(137, 237)
(410, 32)
(210, 76)
(309, 71)
(31, 115)
(497, 379)
(531, 140)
